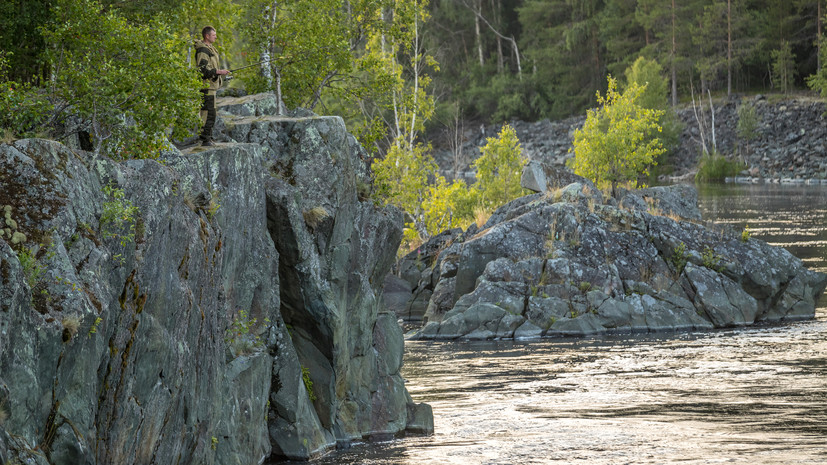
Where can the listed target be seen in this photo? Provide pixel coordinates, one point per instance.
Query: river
(756, 395)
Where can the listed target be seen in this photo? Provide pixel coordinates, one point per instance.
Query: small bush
(24, 109)
(94, 328)
(712, 260)
(747, 128)
(716, 167)
(679, 258)
(118, 217)
(240, 336)
(215, 203)
(308, 383)
(32, 270)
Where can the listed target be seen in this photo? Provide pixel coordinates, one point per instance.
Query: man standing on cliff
(206, 58)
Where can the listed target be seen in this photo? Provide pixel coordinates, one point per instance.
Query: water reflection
(756, 396)
(789, 216)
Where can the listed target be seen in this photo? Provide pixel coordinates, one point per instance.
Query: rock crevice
(568, 262)
(220, 322)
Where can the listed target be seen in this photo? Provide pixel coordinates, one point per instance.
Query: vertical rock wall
(232, 318)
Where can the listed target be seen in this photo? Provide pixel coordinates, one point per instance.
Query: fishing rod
(250, 66)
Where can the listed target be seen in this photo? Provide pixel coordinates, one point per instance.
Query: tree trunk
(479, 36)
(818, 37)
(500, 66)
(279, 100)
(495, 9)
(673, 58)
(729, 48)
(266, 67)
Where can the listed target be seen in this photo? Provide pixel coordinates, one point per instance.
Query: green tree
(410, 180)
(304, 43)
(24, 109)
(615, 144)
(21, 38)
(747, 127)
(564, 52)
(783, 67)
(622, 35)
(648, 75)
(130, 83)
(498, 170)
(818, 81)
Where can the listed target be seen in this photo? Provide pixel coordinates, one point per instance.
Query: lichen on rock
(190, 338)
(568, 262)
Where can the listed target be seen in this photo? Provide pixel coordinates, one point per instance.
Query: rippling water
(756, 395)
(793, 217)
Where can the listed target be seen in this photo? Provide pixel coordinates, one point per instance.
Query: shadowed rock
(234, 316)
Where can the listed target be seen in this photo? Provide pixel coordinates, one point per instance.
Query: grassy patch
(717, 167)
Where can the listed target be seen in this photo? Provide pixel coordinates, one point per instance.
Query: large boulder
(219, 306)
(567, 262)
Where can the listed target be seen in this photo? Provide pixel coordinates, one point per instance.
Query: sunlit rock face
(232, 317)
(570, 262)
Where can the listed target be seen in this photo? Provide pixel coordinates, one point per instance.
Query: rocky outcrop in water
(219, 305)
(789, 142)
(569, 262)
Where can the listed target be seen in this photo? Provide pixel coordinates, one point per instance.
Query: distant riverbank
(789, 142)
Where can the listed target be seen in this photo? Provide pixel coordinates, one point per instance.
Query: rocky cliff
(569, 262)
(789, 141)
(214, 306)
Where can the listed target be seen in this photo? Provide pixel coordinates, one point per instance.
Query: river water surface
(755, 395)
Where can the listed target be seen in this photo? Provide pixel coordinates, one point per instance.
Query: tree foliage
(128, 82)
(498, 170)
(615, 144)
(567, 48)
(648, 75)
(818, 81)
(410, 180)
(21, 38)
(783, 67)
(24, 109)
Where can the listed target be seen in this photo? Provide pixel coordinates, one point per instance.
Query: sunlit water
(756, 395)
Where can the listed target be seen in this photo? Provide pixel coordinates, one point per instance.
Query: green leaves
(23, 108)
(615, 144)
(410, 180)
(130, 82)
(499, 169)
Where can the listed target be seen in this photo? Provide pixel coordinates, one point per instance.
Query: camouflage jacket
(206, 58)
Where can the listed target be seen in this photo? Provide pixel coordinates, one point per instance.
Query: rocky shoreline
(789, 145)
(567, 261)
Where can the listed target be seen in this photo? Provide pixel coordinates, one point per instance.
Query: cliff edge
(218, 305)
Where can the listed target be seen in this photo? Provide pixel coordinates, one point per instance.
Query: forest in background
(121, 72)
(533, 59)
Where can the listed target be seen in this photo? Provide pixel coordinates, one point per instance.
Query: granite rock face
(219, 306)
(569, 262)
